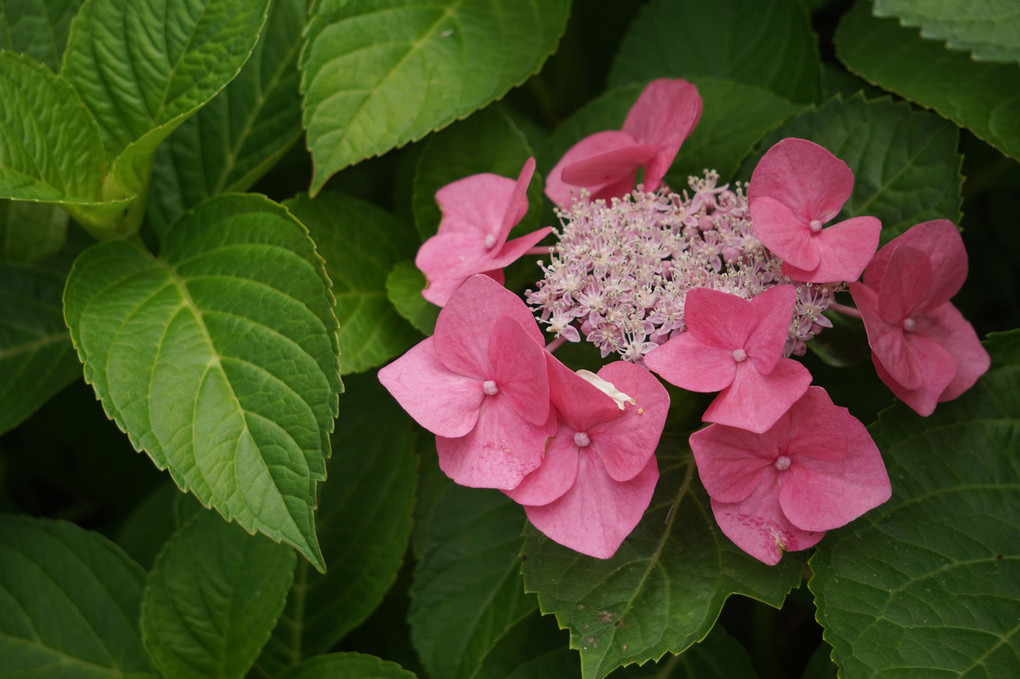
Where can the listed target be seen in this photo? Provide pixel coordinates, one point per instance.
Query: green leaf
(664, 588)
(467, 588)
(69, 602)
(717, 655)
(905, 163)
(37, 28)
(31, 232)
(219, 359)
(765, 44)
(143, 67)
(927, 584)
(990, 30)
(149, 525)
(404, 285)
(363, 522)
(36, 356)
(235, 138)
(735, 118)
(213, 598)
(488, 141)
(347, 666)
(380, 73)
(360, 243)
(533, 647)
(983, 97)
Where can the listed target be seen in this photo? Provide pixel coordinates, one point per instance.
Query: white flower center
(581, 439)
(909, 325)
(783, 462)
(490, 240)
(815, 225)
(739, 355)
(490, 388)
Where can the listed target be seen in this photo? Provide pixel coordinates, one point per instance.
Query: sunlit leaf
(982, 97)
(764, 44)
(360, 243)
(380, 73)
(219, 359)
(664, 588)
(213, 598)
(988, 29)
(36, 356)
(69, 603)
(404, 285)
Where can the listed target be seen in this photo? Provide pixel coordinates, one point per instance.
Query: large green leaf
(36, 356)
(989, 29)
(31, 232)
(983, 97)
(69, 603)
(532, 647)
(928, 584)
(717, 656)
(37, 28)
(404, 284)
(243, 131)
(363, 522)
(488, 141)
(467, 588)
(380, 73)
(347, 666)
(664, 588)
(219, 359)
(213, 598)
(143, 67)
(905, 163)
(360, 243)
(764, 44)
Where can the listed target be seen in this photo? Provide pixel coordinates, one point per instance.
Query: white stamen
(783, 462)
(581, 439)
(909, 325)
(815, 225)
(739, 355)
(490, 388)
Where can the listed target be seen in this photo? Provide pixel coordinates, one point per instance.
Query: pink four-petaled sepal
(735, 346)
(599, 471)
(481, 385)
(478, 213)
(922, 347)
(606, 163)
(815, 469)
(795, 189)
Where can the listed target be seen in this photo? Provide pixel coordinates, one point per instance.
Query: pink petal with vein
(905, 287)
(774, 308)
(844, 250)
(754, 401)
(439, 292)
(688, 363)
(664, 115)
(805, 177)
(559, 189)
(949, 329)
(785, 233)
(733, 462)
(941, 241)
(719, 319)
(554, 476)
(519, 370)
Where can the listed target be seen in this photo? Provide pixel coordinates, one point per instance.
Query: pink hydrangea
(599, 470)
(480, 384)
(735, 346)
(815, 469)
(922, 347)
(795, 189)
(606, 163)
(478, 213)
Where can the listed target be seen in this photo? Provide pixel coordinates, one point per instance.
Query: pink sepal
(754, 401)
(597, 513)
(805, 177)
(757, 525)
(948, 327)
(941, 241)
(518, 367)
(442, 401)
(620, 172)
(664, 115)
(554, 477)
(690, 364)
(844, 250)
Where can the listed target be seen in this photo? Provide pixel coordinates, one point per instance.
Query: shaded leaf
(905, 163)
(379, 74)
(663, 589)
(150, 524)
(404, 285)
(467, 589)
(37, 28)
(363, 522)
(36, 356)
(990, 30)
(69, 603)
(532, 647)
(982, 97)
(360, 243)
(488, 141)
(347, 666)
(219, 359)
(31, 232)
(213, 598)
(764, 44)
(717, 655)
(927, 584)
(235, 138)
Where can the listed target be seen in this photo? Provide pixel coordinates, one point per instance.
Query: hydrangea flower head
(795, 189)
(599, 471)
(735, 346)
(606, 163)
(815, 469)
(478, 213)
(922, 347)
(480, 384)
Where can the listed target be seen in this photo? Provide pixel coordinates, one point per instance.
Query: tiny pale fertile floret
(816, 469)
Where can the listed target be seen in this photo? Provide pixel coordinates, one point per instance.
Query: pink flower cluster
(713, 291)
